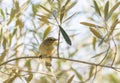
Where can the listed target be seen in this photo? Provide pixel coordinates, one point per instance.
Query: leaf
(97, 8)
(68, 18)
(91, 71)
(4, 43)
(102, 40)
(70, 6)
(67, 2)
(45, 9)
(17, 46)
(94, 43)
(10, 80)
(17, 6)
(35, 8)
(62, 13)
(2, 56)
(113, 9)
(90, 24)
(112, 28)
(47, 31)
(106, 9)
(12, 15)
(1, 30)
(23, 8)
(64, 34)
(70, 79)
(2, 13)
(78, 75)
(14, 32)
(96, 33)
(29, 78)
(19, 23)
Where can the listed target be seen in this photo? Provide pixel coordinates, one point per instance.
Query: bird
(46, 48)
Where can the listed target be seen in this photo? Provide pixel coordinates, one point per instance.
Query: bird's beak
(56, 39)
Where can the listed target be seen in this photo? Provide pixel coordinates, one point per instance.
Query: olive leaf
(64, 34)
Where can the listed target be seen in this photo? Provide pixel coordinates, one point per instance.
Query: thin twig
(58, 45)
(105, 54)
(115, 53)
(95, 74)
(79, 61)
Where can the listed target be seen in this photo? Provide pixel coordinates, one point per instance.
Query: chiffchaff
(47, 49)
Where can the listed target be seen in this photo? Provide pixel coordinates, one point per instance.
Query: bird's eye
(50, 39)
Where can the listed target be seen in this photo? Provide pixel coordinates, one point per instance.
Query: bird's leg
(41, 56)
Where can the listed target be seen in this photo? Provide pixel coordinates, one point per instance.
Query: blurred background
(91, 25)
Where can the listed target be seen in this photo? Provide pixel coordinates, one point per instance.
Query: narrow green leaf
(2, 13)
(45, 9)
(102, 40)
(30, 77)
(47, 31)
(112, 10)
(94, 43)
(112, 28)
(17, 6)
(2, 56)
(62, 13)
(19, 23)
(90, 24)
(97, 8)
(70, 6)
(1, 34)
(106, 9)
(78, 74)
(4, 42)
(12, 15)
(66, 37)
(70, 17)
(14, 32)
(67, 2)
(35, 8)
(70, 79)
(96, 33)
(17, 46)
(10, 80)
(91, 71)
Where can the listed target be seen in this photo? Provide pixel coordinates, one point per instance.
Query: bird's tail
(48, 62)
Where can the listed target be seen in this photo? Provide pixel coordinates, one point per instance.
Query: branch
(79, 61)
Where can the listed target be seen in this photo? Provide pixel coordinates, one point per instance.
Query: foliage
(24, 24)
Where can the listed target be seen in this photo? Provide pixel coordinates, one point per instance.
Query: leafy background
(88, 33)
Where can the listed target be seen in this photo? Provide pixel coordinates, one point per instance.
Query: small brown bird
(47, 49)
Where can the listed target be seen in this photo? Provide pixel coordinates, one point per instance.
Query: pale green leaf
(112, 10)
(2, 13)
(45, 9)
(106, 9)
(91, 71)
(94, 43)
(4, 42)
(90, 24)
(96, 33)
(62, 13)
(47, 31)
(97, 8)
(78, 74)
(70, 79)
(12, 15)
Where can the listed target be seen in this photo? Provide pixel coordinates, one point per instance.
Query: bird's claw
(40, 56)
